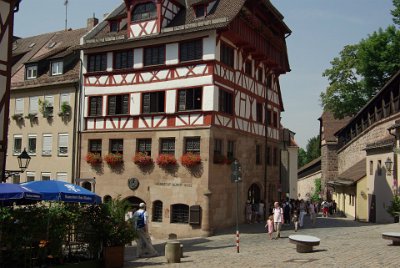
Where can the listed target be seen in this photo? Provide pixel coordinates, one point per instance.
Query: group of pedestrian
(328, 208)
(254, 212)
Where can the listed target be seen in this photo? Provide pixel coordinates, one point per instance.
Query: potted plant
(115, 232)
(165, 160)
(142, 159)
(17, 117)
(190, 159)
(93, 158)
(114, 159)
(65, 109)
(31, 116)
(394, 208)
(46, 108)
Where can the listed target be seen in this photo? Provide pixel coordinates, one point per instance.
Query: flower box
(17, 117)
(142, 159)
(93, 158)
(190, 159)
(165, 160)
(220, 159)
(114, 159)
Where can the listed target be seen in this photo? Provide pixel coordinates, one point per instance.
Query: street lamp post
(23, 163)
(236, 177)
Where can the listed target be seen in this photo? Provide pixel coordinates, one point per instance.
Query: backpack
(138, 221)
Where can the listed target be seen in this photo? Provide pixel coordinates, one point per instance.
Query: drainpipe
(78, 113)
(265, 153)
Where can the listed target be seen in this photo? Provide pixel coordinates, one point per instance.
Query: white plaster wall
(135, 108)
(171, 56)
(170, 101)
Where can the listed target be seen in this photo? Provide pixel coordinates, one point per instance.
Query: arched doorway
(254, 194)
(134, 202)
(87, 185)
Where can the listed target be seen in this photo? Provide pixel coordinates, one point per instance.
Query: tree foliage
(302, 157)
(313, 151)
(362, 69)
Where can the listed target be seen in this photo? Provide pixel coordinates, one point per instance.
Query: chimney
(91, 22)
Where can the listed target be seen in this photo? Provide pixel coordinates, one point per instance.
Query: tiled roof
(332, 125)
(354, 173)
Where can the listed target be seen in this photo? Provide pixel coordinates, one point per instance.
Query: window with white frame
(46, 176)
(62, 176)
(30, 176)
(33, 105)
(19, 106)
(57, 67)
(16, 178)
(17, 144)
(49, 99)
(63, 144)
(47, 144)
(31, 72)
(31, 144)
(64, 98)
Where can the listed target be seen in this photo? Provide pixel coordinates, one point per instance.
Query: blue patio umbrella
(63, 191)
(19, 194)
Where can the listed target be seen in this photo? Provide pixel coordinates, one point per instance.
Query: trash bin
(173, 251)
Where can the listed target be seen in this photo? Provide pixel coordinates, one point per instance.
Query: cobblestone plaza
(344, 243)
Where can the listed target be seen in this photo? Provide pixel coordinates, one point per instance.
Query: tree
(313, 148)
(362, 69)
(302, 158)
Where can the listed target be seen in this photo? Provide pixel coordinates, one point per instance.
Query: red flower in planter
(190, 159)
(142, 159)
(113, 159)
(220, 159)
(93, 158)
(165, 160)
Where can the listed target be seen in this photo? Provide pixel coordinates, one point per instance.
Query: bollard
(181, 250)
(173, 251)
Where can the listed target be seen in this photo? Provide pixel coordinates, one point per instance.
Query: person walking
(311, 211)
(143, 240)
(295, 220)
(270, 226)
(302, 208)
(261, 211)
(286, 212)
(278, 219)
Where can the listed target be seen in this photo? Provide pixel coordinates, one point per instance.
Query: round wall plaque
(133, 183)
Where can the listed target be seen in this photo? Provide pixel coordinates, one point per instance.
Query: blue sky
(320, 30)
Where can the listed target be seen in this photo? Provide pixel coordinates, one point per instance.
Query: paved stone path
(344, 243)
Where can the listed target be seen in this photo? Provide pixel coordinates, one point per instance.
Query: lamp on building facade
(388, 165)
(23, 163)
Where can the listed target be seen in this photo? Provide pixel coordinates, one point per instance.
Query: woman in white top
(278, 217)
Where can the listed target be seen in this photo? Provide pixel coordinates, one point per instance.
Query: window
(379, 167)
(144, 11)
(117, 146)
(192, 145)
(118, 104)
(144, 146)
(154, 55)
(17, 144)
(97, 62)
(95, 106)
(275, 120)
(153, 102)
(157, 211)
(248, 67)
(47, 144)
(275, 156)
(49, 100)
(191, 50)
(46, 176)
(225, 102)
(30, 176)
(260, 75)
(16, 178)
(230, 152)
(63, 144)
(31, 72)
(269, 81)
(268, 156)
(33, 105)
(31, 144)
(189, 99)
(114, 26)
(179, 213)
(218, 151)
(167, 146)
(371, 167)
(259, 112)
(19, 106)
(269, 117)
(95, 146)
(64, 98)
(57, 68)
(258, 154)
(62, 176)
(200, 10)
(227, 55)
(123, 59)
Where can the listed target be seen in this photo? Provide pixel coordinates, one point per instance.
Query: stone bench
(304, 243)
(394, 236)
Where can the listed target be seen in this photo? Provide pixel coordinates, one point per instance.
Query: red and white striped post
(237, 241)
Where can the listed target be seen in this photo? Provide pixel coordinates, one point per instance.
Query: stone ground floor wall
(208, 185)
(306, 185)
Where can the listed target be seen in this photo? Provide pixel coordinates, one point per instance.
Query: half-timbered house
(194, 81)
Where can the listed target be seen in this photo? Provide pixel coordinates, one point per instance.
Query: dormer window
(144, 11)
(114, 26)
(56, 68)
(31, 72)
(200, 10)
